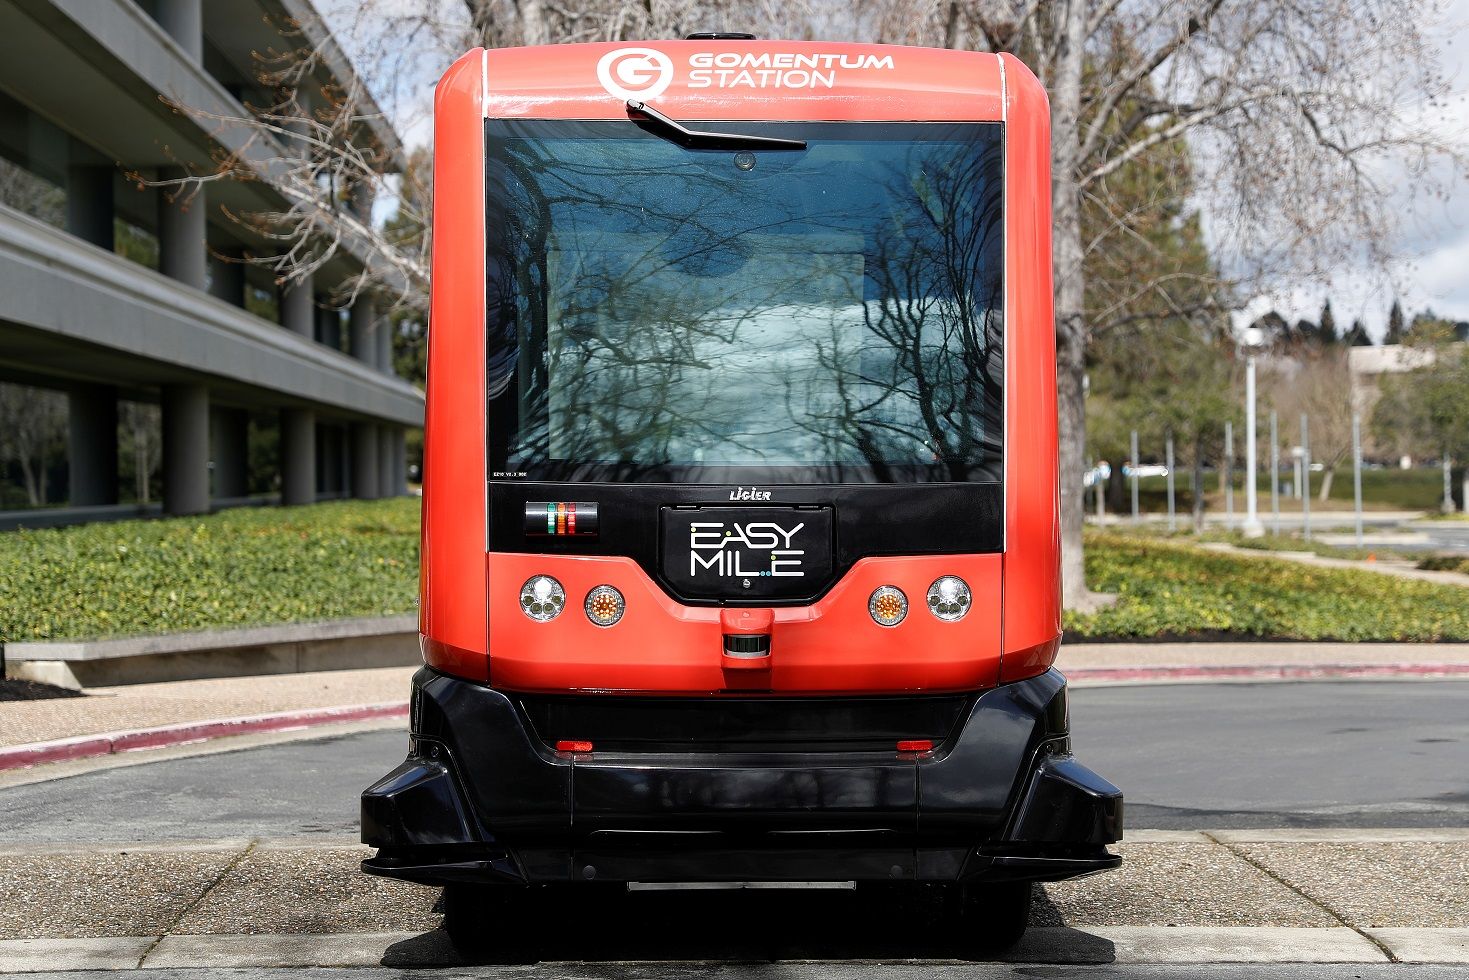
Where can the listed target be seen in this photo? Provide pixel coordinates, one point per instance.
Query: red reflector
(915, 745)
(566, 745)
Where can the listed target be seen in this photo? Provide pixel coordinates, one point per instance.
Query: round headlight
(542, 598)
(605, 605)
(949, 598)
(888, 605)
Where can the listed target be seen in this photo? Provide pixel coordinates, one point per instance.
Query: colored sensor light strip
(561, 518)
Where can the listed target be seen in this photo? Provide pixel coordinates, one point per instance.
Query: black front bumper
(482, 798)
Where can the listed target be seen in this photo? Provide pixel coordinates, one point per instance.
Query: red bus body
(476, 637)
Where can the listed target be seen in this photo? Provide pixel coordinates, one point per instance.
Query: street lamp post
(1253, 338)
(1274, 476)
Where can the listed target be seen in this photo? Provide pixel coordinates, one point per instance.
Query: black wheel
(993, 917)
(490, 922)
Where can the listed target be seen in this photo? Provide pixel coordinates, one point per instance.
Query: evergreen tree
(1358, 334)
(1328, 324)
(1395, 331)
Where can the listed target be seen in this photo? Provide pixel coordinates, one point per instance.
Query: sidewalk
(1180, 896)
(1386, 565)
(1088, 663)
(141, 706)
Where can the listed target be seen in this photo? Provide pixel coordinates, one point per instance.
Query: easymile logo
(754, 493)
(726, 549)
(635, 73)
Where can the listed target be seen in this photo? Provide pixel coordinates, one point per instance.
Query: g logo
(635, 73)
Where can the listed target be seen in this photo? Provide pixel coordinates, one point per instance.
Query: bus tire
(490, 922)
(993, 917)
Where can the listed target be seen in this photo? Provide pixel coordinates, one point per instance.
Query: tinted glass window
(664, 314)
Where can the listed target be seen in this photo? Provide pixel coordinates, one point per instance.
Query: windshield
(826, 315)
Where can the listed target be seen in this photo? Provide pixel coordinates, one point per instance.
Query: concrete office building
(87, 89)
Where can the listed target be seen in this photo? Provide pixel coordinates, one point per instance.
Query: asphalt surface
(1318, 754)
(1446, 537)
(826, 971)
(1311, 754)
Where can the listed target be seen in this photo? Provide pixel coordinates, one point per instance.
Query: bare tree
(1317, 382)
(317, 147)
(143, 444)
(32, 426)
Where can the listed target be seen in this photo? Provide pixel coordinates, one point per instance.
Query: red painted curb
(87, 746)
(1278, 672)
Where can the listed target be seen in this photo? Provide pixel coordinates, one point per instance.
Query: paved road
(1446, 537)
(1358, 754)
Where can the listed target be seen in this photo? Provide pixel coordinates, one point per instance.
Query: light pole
(1274, 476)
(1253, 338)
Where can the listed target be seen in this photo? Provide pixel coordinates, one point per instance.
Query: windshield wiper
(676, 132)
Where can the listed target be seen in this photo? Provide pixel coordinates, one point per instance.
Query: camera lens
(745, 161)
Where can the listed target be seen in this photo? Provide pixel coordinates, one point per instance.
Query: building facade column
(364, 461)
(362, 326)
(298, 456)
(387, 469)
(227, 276)
(91, 425)
(229, 443)
(298, 308)
(329, 327)
(89, 204)
(185, 449)
(385, 345)
(183, 20)
(182, 251)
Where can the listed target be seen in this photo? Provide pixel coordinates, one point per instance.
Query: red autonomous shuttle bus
(740, 534)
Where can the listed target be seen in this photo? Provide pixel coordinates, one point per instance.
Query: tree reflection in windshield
(832, 315)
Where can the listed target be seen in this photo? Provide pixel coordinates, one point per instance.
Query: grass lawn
(240, 567)
(1169, 589)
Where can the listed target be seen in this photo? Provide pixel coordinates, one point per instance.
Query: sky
(1432, 271)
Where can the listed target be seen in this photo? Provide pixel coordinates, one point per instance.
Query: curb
(88, 746)
(1260, 672)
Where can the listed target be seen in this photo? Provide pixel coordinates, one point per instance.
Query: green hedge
(1167, 589)
(240, 567)
(1445, 563)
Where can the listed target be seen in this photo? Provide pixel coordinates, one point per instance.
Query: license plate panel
(750, 553)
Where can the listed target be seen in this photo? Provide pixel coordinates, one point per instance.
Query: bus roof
(742, 79)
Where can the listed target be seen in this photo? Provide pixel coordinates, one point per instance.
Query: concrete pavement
(138, 706)
(1370, 897)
